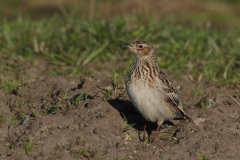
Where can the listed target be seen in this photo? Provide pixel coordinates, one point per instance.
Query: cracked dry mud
(93, 120)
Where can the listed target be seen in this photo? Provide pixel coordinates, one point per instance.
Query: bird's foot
(152, 140)
(144, 138)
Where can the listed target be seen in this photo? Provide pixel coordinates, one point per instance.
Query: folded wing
(170, 94)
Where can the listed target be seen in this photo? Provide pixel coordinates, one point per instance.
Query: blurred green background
(47, 38)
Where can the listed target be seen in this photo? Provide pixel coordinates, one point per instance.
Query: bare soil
(99, 126)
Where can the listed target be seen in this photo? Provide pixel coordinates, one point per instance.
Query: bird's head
(142, 49)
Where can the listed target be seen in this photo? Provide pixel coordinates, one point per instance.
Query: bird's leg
(159, 123)
(144, 129)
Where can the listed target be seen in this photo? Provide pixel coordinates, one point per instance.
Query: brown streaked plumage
(149, 89)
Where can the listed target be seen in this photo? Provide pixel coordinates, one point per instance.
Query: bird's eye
(141, 46)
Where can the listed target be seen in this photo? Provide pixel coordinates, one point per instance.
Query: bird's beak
(129, 46)
(126, 46)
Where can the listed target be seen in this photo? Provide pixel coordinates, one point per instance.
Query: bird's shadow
(132, 116)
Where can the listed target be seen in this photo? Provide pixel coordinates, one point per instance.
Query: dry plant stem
(92, 10)
(233, 99)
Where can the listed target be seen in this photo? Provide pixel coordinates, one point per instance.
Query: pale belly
(149, 102)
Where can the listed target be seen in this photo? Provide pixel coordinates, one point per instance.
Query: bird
(150, 90)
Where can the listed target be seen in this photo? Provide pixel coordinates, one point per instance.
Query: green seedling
(204, 158)
(196, 92)
(130, 134)
(81, 97)
(52, 109)
(101, 116)
(10, 84)
(33, 114)
(28, 146)
(65, 96)
(12, 120)
(145, 142)
(40, 124)
(161, 156)
(125, 125)
(3, 118)
(236, 134)
(86, 153)
(46, 92)
(107, 92)
(200, 103)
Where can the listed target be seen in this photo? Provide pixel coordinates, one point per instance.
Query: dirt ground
(94, 119)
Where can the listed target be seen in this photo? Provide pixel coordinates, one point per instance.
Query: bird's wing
(171, 96)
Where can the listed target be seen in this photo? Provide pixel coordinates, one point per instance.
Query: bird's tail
(187, 116)
(184, 114)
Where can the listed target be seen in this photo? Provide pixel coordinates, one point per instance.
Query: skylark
(149, 89)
